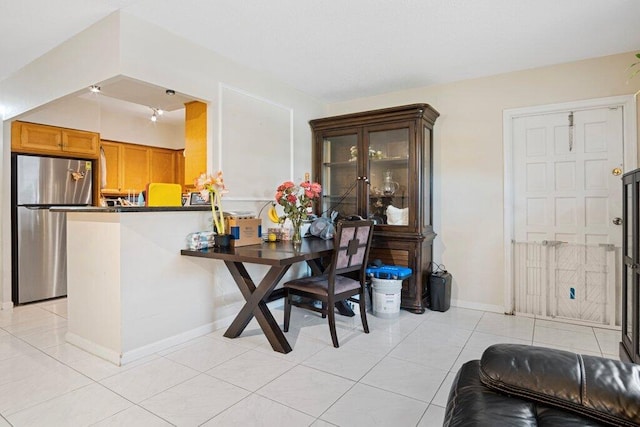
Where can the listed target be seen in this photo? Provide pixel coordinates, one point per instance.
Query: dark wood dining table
(279, 256)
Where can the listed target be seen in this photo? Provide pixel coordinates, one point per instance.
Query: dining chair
(352, 243)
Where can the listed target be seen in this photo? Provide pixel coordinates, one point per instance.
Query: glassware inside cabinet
(389, 176)
(339, 174)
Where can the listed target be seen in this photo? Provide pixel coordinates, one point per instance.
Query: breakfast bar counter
(125, 209)
(131, 293)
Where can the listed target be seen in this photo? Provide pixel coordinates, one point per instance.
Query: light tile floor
(399, 374)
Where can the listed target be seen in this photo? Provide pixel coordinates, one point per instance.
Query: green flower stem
(218, 215)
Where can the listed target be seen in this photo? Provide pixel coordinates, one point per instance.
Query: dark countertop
(120, 209)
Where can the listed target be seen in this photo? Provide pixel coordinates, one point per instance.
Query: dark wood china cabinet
(630, 343)
(378, 165)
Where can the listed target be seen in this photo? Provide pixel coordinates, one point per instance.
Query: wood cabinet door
(43, 139)
(163, 167)
(135, 168)
(80, 142)
(113, 160)
(179, 159)
(35, 138)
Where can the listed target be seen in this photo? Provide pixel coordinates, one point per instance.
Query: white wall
(468, 159)
(69, 112)
(136, 130)
(79, 112)
(122, 45)
(83, 60)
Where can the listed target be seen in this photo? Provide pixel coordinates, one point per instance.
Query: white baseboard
(478, 306)
(7, 305)
(149, 349)
(93, 348)
(120, 359)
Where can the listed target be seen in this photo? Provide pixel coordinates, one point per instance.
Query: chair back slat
(353, 240)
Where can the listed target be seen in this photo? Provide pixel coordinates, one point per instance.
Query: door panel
(565, 193)
(50, 181)
(135, 167)
(80, 142)
(41, 236)
(162, 167)
(564, 185)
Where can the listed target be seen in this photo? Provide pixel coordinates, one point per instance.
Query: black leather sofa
(519, 385)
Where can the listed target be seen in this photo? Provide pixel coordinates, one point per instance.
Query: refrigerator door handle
(36, 207)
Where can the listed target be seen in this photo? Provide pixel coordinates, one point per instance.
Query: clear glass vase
(296, 237)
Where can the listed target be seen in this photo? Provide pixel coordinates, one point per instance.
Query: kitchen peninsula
(130, 292)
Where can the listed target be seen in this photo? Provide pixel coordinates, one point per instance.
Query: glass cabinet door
(632, 291)
(425, 183)
(339, 174)
(636, 315)
(628, 314)
(389, 178)
(628, 261)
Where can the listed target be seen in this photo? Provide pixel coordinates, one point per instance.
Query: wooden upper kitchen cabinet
(113, 160)
(35, 138)
(130, 167)
(135, 167)
(195, 141)
(162, 165)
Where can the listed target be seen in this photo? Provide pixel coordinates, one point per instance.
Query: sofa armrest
(472, 404)
(604, 389)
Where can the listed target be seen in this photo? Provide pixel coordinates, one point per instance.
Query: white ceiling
(339, 50)
(132, 97)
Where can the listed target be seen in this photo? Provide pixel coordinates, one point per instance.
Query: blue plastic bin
(389, 272)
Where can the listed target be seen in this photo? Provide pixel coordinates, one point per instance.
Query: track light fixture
(157, 112)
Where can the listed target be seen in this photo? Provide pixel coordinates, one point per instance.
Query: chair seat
(318, 285)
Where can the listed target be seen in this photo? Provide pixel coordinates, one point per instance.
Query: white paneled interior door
(567, 197)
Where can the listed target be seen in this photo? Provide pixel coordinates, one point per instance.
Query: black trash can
(440, 291)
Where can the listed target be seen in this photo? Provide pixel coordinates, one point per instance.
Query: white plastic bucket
(386, 297)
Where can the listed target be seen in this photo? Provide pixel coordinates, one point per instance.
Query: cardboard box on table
(244, 230)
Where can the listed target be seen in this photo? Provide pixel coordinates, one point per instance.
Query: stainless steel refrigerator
(39, 236)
